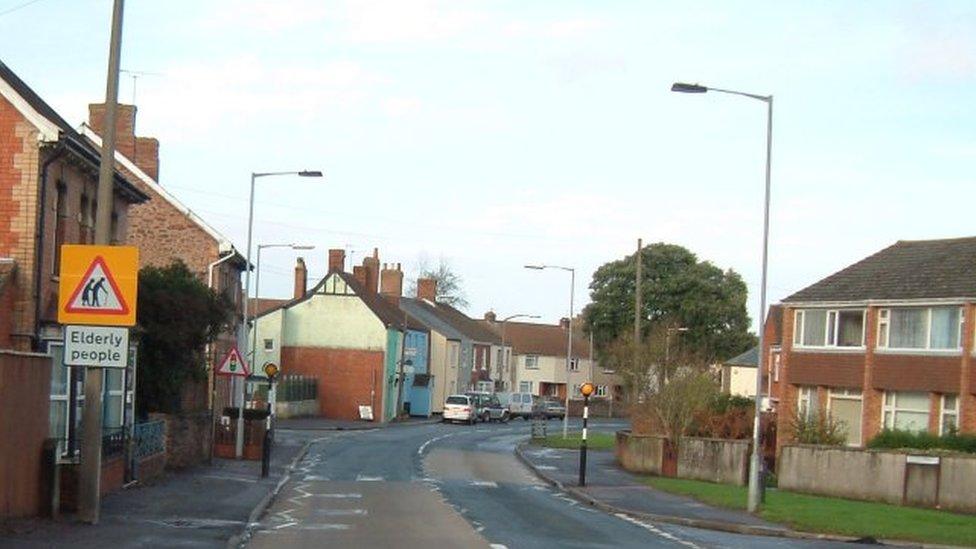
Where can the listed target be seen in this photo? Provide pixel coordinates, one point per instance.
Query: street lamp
(755, 484)
(239, 445)
(272, 392)
(569, 339)
(504, 365)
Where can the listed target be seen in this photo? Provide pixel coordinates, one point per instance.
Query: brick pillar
(391, 282)
(967, 400)
(301, 278)
(788, 393)
(359, 272)
(337, 260)
(871, 398)
(935, 412)
(372, 265)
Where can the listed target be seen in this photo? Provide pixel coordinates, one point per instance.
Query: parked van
(523, 405)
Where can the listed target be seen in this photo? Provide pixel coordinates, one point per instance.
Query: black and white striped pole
(586, 389)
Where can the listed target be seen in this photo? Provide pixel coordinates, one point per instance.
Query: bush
(727, 416)
(898, 439)
(820, 429)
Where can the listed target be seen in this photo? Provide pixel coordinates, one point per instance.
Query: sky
(495, 134)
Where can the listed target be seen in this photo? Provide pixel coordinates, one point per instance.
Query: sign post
(270, 370)
(97, 290)
(234, 365)
(586, 389)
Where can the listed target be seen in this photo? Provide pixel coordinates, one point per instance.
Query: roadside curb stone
(720, 526)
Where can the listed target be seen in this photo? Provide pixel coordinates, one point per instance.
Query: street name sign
(233, 364)
(101, 346)
(98, 285)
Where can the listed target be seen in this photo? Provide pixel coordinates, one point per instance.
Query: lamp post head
(303, 247)
(682, 87)
(310, 173)
(536, 267)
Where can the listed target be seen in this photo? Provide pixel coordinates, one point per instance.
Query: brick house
(165, 230)
(738, 374)
(48, 183)
(344, 333)
(539, 359)
(884, 343)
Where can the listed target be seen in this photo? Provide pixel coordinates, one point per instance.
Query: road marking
(547, 467)
(423, 447)
(228, 477)
(340, 512)
(338, 496)
(314, 477)
(285, 525)
(497, 546)
(656, 530)
(484, 483)
(364, 478)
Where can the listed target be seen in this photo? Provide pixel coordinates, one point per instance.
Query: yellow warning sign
(98, 285)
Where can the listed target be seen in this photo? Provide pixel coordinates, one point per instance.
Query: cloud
(390, 21)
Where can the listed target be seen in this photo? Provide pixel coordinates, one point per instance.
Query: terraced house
(885, 343)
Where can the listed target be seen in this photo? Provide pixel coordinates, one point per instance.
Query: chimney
(359, 272)
(337, 260)
(427, 289)
(142, 151)
(490, 316)
(391, 282)
(372, 266)
(564, 323)
(301, 278)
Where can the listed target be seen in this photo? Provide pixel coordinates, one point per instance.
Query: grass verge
(594, 441)
(835, 515)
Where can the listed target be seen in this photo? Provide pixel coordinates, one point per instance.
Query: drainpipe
(212, 380)
(39, 239)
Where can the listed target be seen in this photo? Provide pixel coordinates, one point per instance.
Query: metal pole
(638, 258)
(504, 361)
(91, 448)
(239, 441)
(254, 325)
(569, 349)
(582, 466)
(755, 480)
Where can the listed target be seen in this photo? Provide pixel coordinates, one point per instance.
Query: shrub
(898, 439)
(819, 429)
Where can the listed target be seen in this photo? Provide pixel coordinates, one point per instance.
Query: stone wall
(188, 438)
(710, 459)
(947, 482)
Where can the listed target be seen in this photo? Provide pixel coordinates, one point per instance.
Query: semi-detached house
(885, 343)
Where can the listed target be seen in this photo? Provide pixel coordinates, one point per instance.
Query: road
(449, 486)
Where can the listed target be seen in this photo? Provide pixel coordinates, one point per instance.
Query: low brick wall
(188, 438)
(876, 475)
(113, 477)
(714, 460)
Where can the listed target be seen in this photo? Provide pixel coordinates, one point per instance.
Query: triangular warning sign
(233, 364)
(97, 292)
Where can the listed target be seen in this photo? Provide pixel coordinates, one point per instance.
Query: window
(114, 406)
(525, 386)
(574, 365)
(829, 328)
(498, 360)
(453, 351)
(576, 389)
(552, 390)
(531, 362)
(950, 414)
(775, 361)
(806, 403)
(906, 411)
(86, 223)
(601, 391)
(269, 345)
(920, 328)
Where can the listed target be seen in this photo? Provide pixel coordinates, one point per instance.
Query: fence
(150, 438)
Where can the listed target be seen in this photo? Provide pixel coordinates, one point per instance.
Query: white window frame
(891, 407)
(265, 342)
(775, 359)
(847, 394)
(954, 412)
(601, 391)
(120, 392)
(534, 360)
(525, 387)
(831, 329)
(574, 364)
(576, 390)
(884, 330)
(804, 401)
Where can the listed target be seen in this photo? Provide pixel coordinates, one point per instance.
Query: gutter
(39, 240)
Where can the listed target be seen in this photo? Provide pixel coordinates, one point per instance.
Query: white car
(460, 408)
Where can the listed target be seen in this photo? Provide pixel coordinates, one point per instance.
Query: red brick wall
(833, 369)
(8, 291)
(25, 385)
(917, 373)
(967, 403)
(346, 378)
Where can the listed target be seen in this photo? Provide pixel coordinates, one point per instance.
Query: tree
(449, 289)
(178, 315)
(646, 367)
(679, 289)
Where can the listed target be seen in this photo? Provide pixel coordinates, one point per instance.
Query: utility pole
(637, 304)
(91, 447)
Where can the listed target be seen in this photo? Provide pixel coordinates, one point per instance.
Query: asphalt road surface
(443, 486)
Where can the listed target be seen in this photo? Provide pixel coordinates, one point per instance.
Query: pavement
(323, 424)
(620, 490)
(202, 506)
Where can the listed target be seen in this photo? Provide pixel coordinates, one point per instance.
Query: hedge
(897, 439)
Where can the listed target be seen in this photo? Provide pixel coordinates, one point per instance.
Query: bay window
(829, 328)
(921, 328)
(906, 411)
